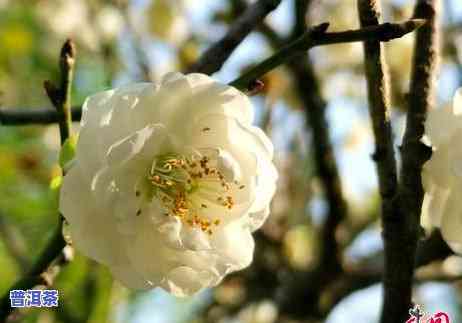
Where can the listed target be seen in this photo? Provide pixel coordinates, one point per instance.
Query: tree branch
(213, 59)
(401, 231)
(384, 155)
(300, 11)
(318, 36)
(25, 116)
(330, 259)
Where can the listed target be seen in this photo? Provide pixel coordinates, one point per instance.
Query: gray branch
(213, 58)
(402, 230)
(378, 96)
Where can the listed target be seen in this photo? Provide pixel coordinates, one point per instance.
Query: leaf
(67, 151)
(55, 183)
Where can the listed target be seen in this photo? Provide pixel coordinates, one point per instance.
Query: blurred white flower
(262, 312)
(110, 22)
(69, 19)
(442, 175)
(169, 181)
(166, 20)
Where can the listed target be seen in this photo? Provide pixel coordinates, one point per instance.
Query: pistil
(174, 180)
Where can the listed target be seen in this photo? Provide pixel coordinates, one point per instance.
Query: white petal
(119, 185)
(267, 176)
(441, 125)
(433, 206)
(437, 169)
(185, 281)
(258, 218)
(451, 223)
(457, 102)
(108, 117)
(264, 141)
(149, 254)
(235, 245)
(129, 277)
(95, 108)
(228, 166)
(143, 145)
(159, 104)
(227, 134)
(170, 230)
(89, 146)
(455, 156)
(194, 239)
(92, 231)
(209, 97)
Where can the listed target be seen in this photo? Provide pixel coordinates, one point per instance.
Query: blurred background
(125, 41)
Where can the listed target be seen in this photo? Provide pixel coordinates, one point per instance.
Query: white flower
(442, 175)
(69, 19)
(168, 183)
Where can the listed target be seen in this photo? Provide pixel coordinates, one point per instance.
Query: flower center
(187, 186)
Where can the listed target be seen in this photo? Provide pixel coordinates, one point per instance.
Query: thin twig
(401, 232)
(329, 266)
(61, 99)
(318, 36)
(307, 287)
(25, 116)
(213, 59)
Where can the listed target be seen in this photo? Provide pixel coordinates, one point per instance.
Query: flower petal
(451, 221)
(92, 231)
(235, 244)
(185, 281)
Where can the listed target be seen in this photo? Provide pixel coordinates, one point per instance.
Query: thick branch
(300, 11)
(330, 261)
(401, 232)
(378, 95)
(214, 58)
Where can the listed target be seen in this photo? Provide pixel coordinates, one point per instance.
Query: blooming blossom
(168, 183)
(442, 175)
